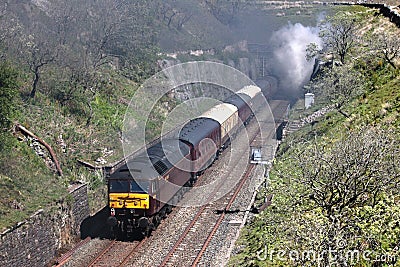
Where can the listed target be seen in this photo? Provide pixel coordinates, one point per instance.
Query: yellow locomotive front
(130, 203)
(142, 191)
(125, 194)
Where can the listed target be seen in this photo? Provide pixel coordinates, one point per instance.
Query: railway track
(220, 219)
(116, 253)
(195, 239)
(111, 253)
(64, 258)
(186, 251)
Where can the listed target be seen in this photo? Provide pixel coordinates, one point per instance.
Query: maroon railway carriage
(240, 101)
(203, 135)
(257, 99)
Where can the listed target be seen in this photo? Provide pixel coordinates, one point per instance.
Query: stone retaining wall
(384, 9)
(387, 11)
(35, 242)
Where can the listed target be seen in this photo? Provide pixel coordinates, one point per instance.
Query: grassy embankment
(295, 223)
(27, 183)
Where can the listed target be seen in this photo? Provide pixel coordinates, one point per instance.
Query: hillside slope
(78, 64)
(335, 181)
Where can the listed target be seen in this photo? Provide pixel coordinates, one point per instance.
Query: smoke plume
(289, 55)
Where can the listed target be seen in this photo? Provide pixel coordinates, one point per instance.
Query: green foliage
(354, 158)
(298, 223)
(311, 51)
(26, 184)
(339, 34)
(106, 114)
(379, 225)
(141, 63)
(8, 96)
(340, 85)
(380, 105)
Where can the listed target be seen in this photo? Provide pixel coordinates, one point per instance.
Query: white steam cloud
(289, 55)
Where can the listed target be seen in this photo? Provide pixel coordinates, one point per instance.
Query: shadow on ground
(96, 227)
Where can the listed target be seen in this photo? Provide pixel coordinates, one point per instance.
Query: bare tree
(354, 172)
(183, 17)
(179, 14)
(104, 26)
(339, 35)
(35, 44)
(387, 45)
(94, 36)
(40, 54)
(224, 11)
(339, 85)
(82, 81)
(10, 30)
(63, 14)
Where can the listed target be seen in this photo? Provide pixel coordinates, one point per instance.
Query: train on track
(143, 190)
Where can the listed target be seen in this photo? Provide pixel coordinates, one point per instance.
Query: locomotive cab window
(131, 186)
(141, 186)
(119, 186)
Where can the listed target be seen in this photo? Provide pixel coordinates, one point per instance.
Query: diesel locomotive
(143, 190)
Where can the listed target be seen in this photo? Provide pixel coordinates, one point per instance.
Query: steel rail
(65, 257)
(100, 255)
(250, 168)
(201, 210)
(125, 260)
